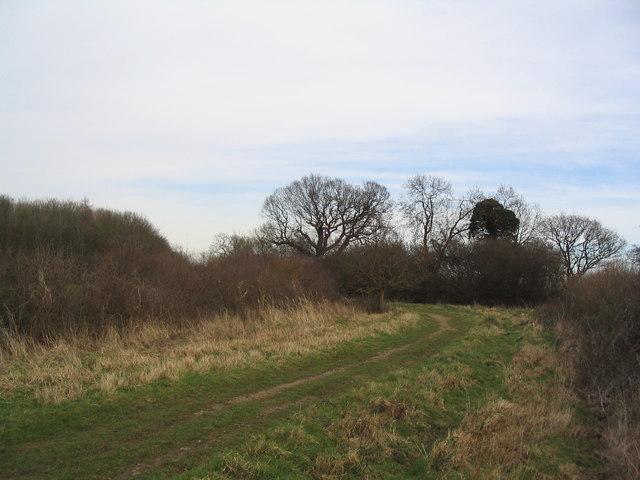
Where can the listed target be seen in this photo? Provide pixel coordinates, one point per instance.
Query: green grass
(391, 427)
(376, 417)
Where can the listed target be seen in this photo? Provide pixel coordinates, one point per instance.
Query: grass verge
(71, 368)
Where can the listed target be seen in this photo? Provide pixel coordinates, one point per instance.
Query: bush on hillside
(74, 228)
(66, 267)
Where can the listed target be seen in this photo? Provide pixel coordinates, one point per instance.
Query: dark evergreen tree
(491, 220)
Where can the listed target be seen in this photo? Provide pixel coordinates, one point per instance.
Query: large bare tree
(435, 215)
(583, 242)
(319, 216)
(423, 204)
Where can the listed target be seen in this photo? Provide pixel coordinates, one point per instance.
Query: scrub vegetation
(279, 354)
(597, 319)
(445, 392)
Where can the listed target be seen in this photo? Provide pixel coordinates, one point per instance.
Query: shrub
(66, 267)
(73, 227)
(493, 272)
(376, 270)
(245, 278)
(598, 322)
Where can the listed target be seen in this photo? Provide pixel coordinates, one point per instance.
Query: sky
(191, 112)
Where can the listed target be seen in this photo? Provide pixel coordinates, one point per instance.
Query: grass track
(170, 427)
(490, 405)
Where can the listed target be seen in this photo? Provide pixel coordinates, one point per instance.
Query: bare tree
(436, 216)
(426, 198)
(454, 222)
(633, 255)
(318, 215)
(530, 215)
(583, 242)
(224, 245)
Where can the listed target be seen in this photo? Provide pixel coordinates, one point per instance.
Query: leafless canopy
(583, 242)
(530, 215)
(633, 256)
(425, 200)
(434, 214)
(318, 215)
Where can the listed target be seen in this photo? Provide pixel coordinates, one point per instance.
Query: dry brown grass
(335, 467)
(501, 439)
(392, 407)
(449, 376)
(596, 320)
(621, 435)
(68, 368)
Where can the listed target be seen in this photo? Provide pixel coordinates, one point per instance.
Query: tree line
(432, 244)
(496, 248)
(66, 265)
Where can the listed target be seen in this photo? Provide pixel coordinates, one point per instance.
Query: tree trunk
(377, 301)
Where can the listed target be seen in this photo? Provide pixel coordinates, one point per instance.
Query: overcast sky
(192, 112)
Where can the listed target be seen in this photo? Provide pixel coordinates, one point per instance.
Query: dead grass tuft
(366, 426)
(370, 434)
(454, 375)
(494, 438)
(295, 435)
(334, 467)
(395, 409)
(621, 435)
(262, 446)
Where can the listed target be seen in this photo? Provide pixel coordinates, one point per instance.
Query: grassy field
(313, 393)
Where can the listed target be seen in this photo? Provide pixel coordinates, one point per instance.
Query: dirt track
(181, 451)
